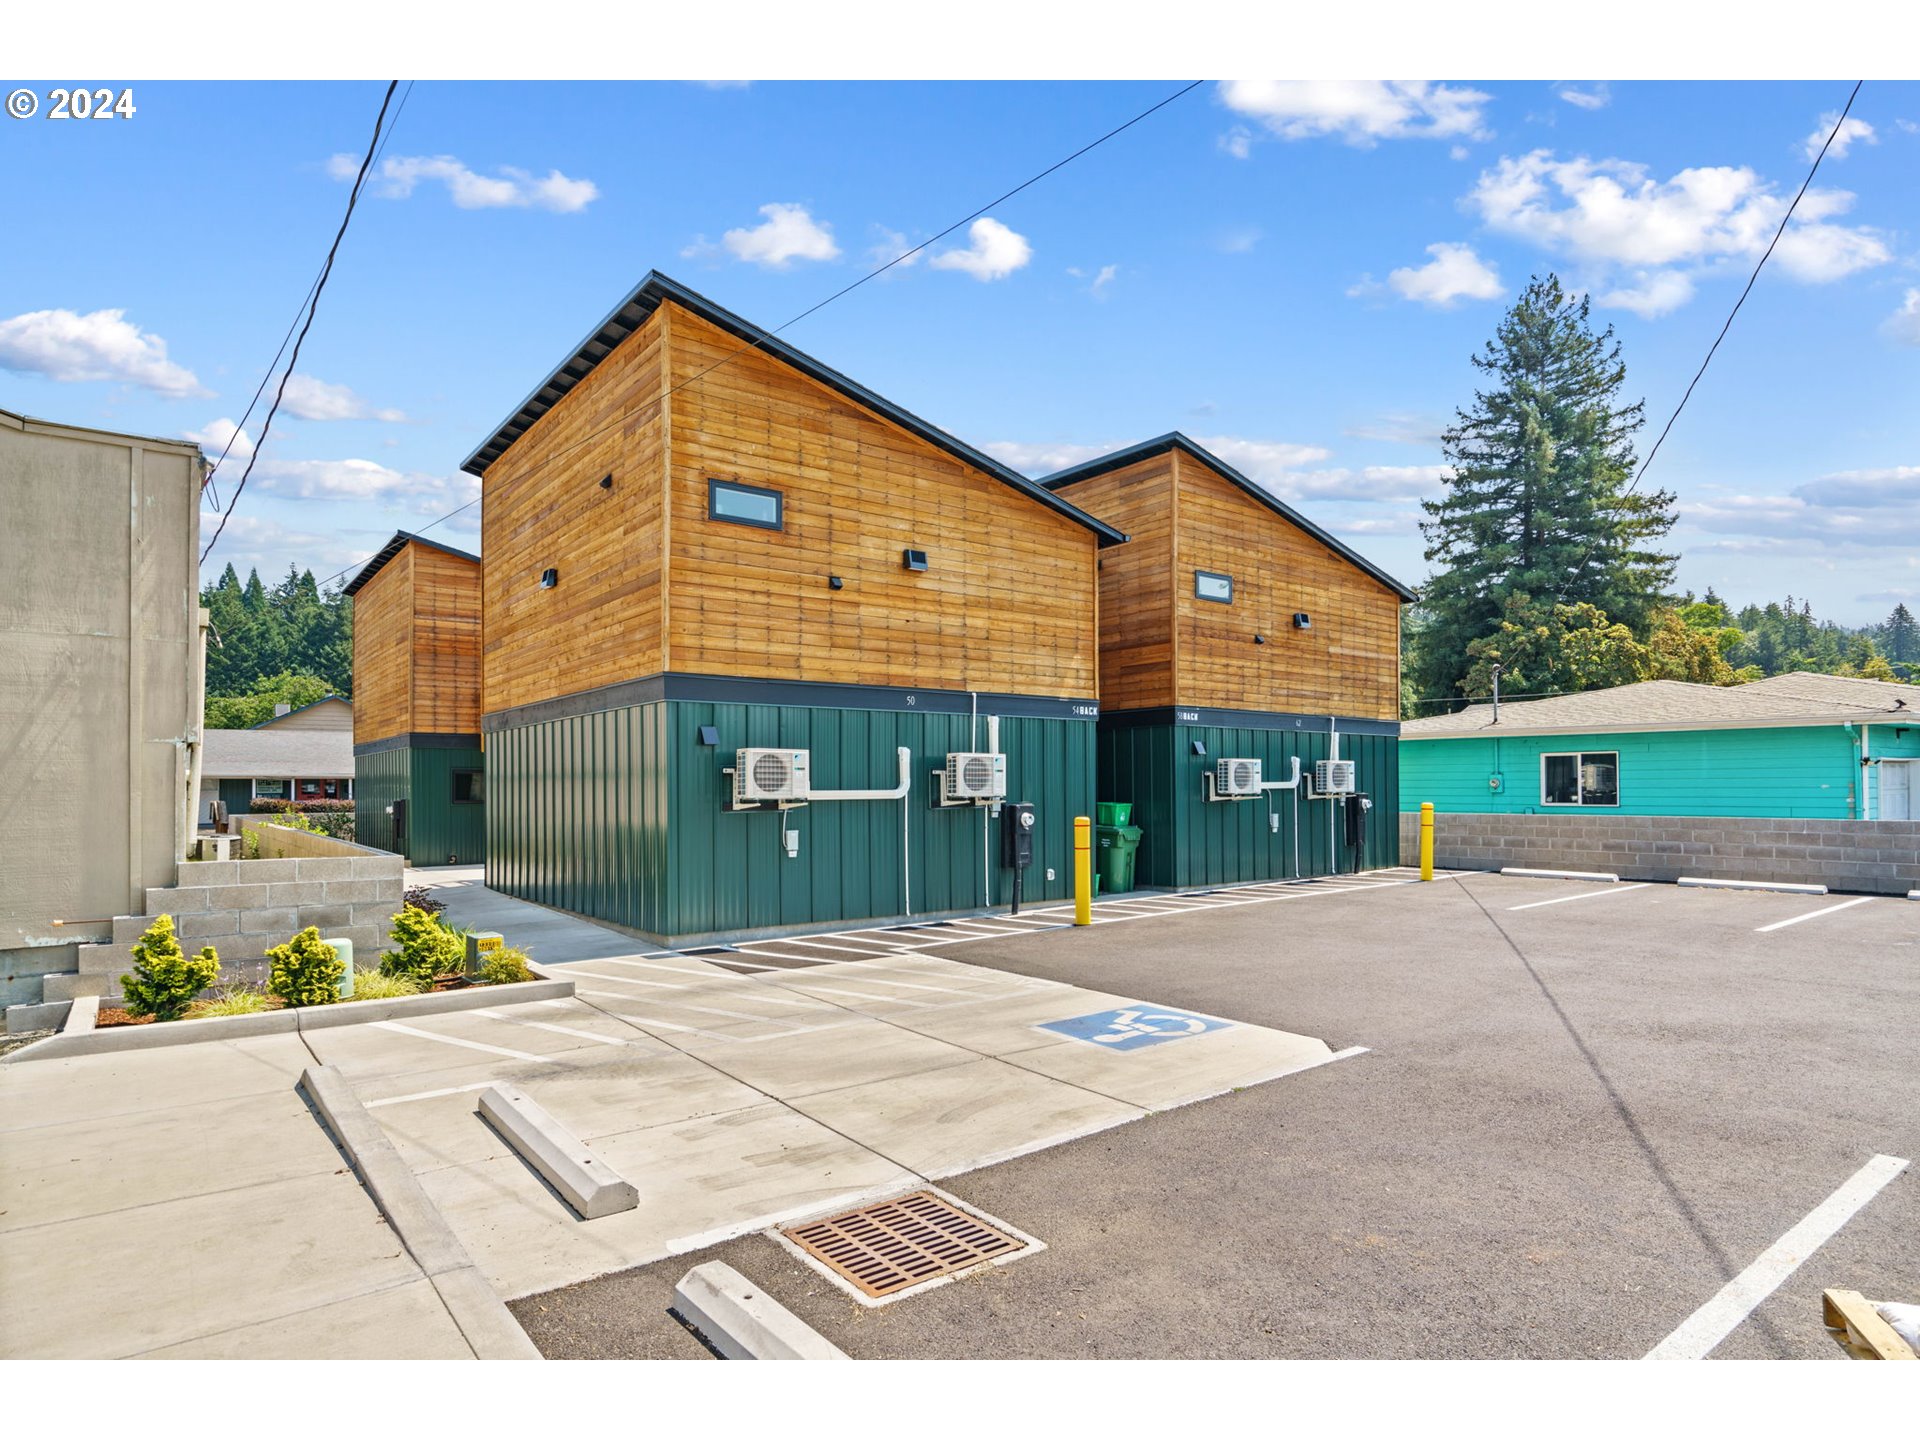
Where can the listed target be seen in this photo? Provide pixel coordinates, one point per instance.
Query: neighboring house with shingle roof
(276, 761)
(1820, 746)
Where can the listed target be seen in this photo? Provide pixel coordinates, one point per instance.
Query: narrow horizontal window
(745, 504)
(1209, 586)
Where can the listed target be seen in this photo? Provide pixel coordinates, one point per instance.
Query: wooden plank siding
(383, 652)
(1136, 608)
(545, 509)
(1007, 603)
(1347, 664)
(416, 647)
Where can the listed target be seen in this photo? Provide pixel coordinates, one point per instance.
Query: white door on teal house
(1896, 789)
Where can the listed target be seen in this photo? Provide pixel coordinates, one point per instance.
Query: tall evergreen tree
(1537, 503)
(1902, 636)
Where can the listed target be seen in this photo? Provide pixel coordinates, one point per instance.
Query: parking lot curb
(281, 1022)
(1784, 887)
(742, 1323)
(482, 1315)
(1600, 875)
(586, 1182)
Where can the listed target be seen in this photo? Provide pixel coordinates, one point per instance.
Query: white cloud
(1097, 284)
(1615, 212)
(1851, 129)
(1865, 489)
(253, 541)
(1458, 152)
(787, 234)
(1044, 459)
(1361, 112)
(313, 399)
(1268, 461)
(1870, 509)
(101, 345)
(1401, 428)
(994, 253)
(892, 249)
(1240, 240)
(1454, 273)
(1903, 324)
(213, 439)
(1651, 293)
(365, 480)
(510, 189)
(1237, 142)
(1911, 127)
(1595, 97)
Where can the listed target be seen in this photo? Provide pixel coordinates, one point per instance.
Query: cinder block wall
(1873, 856)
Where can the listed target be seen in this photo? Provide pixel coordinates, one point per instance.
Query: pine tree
(1902, 636)
(1537, 503)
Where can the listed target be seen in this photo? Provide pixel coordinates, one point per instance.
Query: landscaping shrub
(233, 1000)
(306, 970)
(426, 948)
(372, 985)
(505, 967)
(164, 979)
(305, 807)
(419, 897)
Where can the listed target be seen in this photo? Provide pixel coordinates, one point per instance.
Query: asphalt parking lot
(1582, 1111)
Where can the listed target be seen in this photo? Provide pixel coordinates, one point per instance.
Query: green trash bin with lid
(1114, 850)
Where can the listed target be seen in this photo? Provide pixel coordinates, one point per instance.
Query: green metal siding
(1190, 841)
(1807, 772)
(436, 827)
(619, 815)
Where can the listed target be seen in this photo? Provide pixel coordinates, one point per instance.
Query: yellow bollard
(1082, 870)
(1426, 840)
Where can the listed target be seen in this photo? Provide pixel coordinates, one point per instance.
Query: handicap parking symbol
(1134, 1028)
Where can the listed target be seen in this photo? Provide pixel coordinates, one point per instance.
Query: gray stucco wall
(99, 599)
(1872, 856)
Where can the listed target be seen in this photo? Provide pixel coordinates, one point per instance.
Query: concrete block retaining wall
(1871, 856)
(244, 907)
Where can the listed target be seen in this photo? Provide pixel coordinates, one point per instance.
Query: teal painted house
(1804, 746)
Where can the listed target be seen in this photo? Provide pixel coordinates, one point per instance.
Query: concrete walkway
(548, 936)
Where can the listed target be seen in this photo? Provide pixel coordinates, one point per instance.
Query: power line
(274, 364)
(906, 255)
(312, 309)
(1744, 293)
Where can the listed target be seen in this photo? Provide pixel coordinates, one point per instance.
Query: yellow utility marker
(1426, 840)
(1082, 870)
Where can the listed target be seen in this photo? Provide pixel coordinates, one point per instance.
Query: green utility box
(1112, 812)
(1116, 846)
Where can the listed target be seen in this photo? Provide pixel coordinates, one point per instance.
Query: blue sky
(1295, 274)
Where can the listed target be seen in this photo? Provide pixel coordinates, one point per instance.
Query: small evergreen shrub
(425, 948)
(505, 967)
(165, 979)
(306, 970)
(372, 985)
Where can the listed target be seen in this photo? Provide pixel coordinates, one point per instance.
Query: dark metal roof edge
(1174, 440)
(401, 539)
(656, 287)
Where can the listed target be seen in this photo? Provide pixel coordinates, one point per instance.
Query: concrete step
(104, 959)
(48, 1015)
(72, 987)
(129, 928)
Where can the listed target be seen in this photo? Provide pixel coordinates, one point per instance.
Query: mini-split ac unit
(1236, 777)
(976, 776)
(1333, 777)
(761, 775)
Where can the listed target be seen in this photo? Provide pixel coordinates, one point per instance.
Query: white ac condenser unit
(1237, 777)
(761, 775)
(1333, 777)
(976, 776)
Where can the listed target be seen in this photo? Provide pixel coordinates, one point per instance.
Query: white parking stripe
(1813, 915)
(1701, 1331)
(557, 1029)
(427, 1095)
(1583, 895)
(395, 1025)
(706, 983)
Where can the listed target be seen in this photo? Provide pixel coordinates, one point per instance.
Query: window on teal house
(1590, 777)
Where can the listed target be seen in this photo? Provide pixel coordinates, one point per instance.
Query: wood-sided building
(418, 778)
(1231, 627)
(700, 540)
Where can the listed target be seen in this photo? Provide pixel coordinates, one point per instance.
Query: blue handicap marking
(1135, 1027)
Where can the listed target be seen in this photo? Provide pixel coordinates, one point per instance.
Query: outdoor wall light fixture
(606, 482)
(709, 734)
(1200, 748)
(1259, 639)
(1302, 620)
(834, 582)
(913, 559)
(549, 578)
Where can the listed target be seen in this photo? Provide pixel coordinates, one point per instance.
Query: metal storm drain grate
(885, 1248)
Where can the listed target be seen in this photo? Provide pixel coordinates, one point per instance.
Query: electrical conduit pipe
(898, 792)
